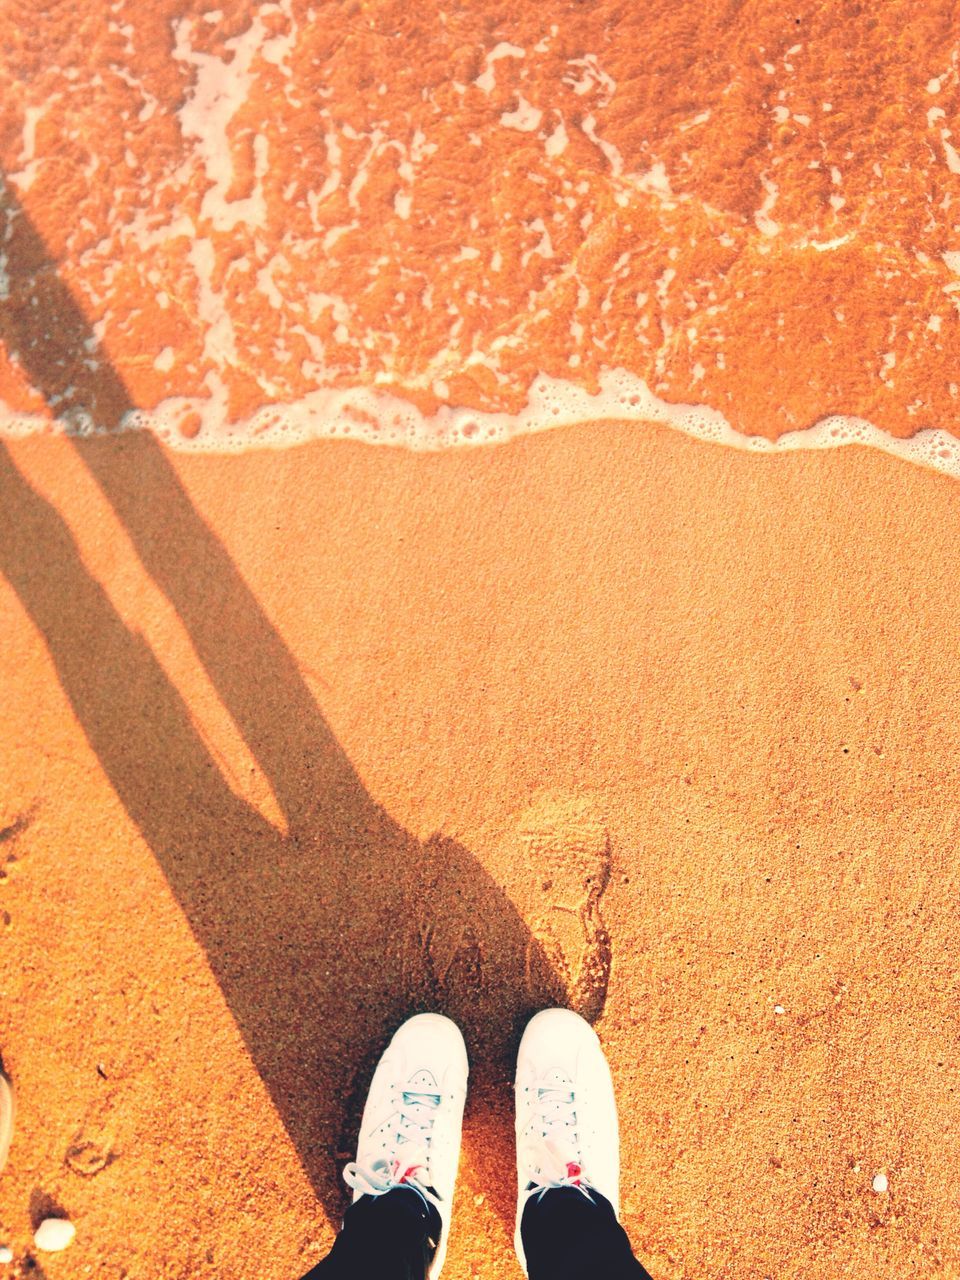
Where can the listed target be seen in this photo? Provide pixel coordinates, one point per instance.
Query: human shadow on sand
(322, 938)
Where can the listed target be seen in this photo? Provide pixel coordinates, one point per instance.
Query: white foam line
(378, 417)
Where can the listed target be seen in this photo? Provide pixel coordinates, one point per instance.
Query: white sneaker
(567, 1133)
(412, 1120)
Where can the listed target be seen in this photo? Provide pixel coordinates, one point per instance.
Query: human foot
(412, 1120)
(567, 1134)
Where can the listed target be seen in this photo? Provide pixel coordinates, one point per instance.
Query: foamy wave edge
(381, 418)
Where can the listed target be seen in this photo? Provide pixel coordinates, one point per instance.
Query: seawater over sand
(256, 225)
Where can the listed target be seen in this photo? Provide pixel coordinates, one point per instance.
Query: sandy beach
(259, 806)
(517, 696)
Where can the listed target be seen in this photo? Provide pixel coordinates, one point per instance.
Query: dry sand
(297, 742)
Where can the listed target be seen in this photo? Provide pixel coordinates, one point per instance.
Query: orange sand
(296, 742)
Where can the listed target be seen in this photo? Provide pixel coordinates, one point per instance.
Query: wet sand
(296, 742)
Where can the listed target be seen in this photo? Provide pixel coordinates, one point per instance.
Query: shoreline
(375, 418)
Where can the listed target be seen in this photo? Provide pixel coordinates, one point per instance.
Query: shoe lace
(553, 1141)
(408, 1161)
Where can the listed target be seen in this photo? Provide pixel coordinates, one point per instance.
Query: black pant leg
(568, 1237)
(391, 1237)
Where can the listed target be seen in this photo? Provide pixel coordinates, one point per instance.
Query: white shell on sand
(880, 1183)
(54, 1234)
(6, 1254)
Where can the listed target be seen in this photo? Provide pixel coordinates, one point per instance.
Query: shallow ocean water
(259, 224)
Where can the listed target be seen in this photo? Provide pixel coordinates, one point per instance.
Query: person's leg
(392, 1237)
(407, 1155)
(568, 1237)
(568, 1156)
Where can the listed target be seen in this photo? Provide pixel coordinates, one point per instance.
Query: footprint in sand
(435, 970)
(413, 948)
(8, 836)
(463, 972)
(440, 952)
(567, 848)
(88, 1154)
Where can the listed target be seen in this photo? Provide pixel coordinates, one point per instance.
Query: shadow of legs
(323, 941)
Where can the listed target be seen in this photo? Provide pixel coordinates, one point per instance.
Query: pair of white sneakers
(566, 1126)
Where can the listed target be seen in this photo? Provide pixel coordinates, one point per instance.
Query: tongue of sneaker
(555, 1154)
(556, 1161)
(410, 1164)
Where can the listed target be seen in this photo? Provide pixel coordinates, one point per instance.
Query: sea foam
(379, 418)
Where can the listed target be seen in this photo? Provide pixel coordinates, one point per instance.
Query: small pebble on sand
(54, 1234)
(778, 1008)
(6, 1254)
(880, 1183)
